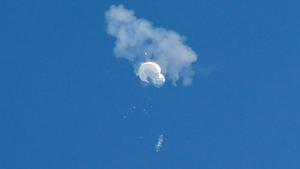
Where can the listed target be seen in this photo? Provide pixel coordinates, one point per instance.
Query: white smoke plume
(138, 41)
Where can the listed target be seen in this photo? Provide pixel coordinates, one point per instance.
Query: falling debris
(159, 143)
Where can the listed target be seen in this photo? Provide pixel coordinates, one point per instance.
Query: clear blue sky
(67, 103)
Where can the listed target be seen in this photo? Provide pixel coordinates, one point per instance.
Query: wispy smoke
(138, 41)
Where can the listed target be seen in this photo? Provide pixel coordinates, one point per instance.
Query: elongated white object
(159, 143)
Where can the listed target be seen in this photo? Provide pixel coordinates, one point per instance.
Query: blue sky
(67, 102)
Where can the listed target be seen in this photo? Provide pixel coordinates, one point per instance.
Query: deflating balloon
(150, 72)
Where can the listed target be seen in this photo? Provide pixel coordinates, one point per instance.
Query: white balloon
(150, 72)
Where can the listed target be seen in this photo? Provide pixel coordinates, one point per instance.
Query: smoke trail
(139, 42)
